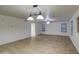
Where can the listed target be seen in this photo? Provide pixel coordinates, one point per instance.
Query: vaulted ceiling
(60, 12)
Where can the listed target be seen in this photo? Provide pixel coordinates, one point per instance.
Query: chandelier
(34, 13)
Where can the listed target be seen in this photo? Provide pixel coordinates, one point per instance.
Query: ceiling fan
(38, 14)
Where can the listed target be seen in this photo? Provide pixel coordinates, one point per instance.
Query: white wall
(12, 29)
(38, 28)
(55, 29)
(75, 36)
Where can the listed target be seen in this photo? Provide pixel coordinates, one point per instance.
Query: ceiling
(59, 12)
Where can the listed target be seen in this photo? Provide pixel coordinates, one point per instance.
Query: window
(43, 27)
(72, 27)
(63, 27)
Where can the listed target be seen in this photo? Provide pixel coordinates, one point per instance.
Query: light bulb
(47, 22)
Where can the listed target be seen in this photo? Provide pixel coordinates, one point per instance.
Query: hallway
(43, 44)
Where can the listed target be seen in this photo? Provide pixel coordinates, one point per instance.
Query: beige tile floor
(42, 44)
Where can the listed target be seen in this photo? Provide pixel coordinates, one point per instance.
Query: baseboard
(74, 44)
(53, 35)
(7, 42)
(13, 41)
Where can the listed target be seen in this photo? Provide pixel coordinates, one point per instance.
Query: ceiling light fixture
(48, 22)
(30, 18)
(40, 17)
(39, 14)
